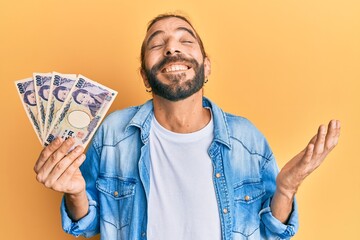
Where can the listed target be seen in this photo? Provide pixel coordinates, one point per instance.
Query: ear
(207, 67)
(145, 80)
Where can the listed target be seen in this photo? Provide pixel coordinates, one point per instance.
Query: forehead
(168, 26)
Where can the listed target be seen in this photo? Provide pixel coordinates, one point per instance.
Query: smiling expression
(173, 60)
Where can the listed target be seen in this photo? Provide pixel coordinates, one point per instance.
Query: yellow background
(286, 65)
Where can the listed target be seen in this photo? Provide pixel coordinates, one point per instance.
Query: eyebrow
(154, 34)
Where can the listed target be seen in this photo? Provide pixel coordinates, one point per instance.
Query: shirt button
(225, 211)
(247, 198)
(116, 193)
(217, 175)
(143, 234)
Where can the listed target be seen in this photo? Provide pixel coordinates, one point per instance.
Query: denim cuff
(79, 227)
(284, 231)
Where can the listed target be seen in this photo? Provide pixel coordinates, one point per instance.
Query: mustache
(177, 58)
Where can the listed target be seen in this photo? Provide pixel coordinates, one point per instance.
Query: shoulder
(120, 117)
(239, 124)
(243, 131)
(237, 128)
(114, 128)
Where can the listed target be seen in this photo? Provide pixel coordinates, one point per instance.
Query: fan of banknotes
(64, 105)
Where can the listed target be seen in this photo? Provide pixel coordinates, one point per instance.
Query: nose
(171, 48)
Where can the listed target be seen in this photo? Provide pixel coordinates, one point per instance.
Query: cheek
(199, 57)
(151, 59)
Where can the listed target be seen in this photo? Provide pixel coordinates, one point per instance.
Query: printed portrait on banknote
(82, 111)
(60, 87)
(26, 91)
(42, 89)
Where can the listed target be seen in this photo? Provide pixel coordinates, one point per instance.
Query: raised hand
(304, 163)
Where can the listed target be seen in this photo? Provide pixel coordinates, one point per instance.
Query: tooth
(175, 68)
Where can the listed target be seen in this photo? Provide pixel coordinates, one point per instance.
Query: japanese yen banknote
(64, 105)
(60, 87)
(27, 95)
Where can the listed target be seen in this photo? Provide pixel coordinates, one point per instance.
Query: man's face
(174, 65)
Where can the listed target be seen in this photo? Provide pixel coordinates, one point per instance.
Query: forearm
(282, 205)
(77, 205)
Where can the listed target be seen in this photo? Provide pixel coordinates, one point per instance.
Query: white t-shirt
(182, 203)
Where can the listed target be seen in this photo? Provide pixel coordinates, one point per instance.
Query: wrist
(75, 196)
(286, 190)
(77, 205)
(287, 185)
(285, 193)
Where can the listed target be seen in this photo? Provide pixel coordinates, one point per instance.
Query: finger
(67, 175)
(308, 154)
(54, 158)
(313, 139)
(332, 135)
(320, 140)
(62, 165)
(338, 128)
(46, 152)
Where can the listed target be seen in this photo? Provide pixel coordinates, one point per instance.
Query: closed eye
(156, 46)
(187, 41)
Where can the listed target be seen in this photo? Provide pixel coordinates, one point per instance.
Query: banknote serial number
(38, 80)
(21, 88)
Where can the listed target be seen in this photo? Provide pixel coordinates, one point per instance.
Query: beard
(176, 91)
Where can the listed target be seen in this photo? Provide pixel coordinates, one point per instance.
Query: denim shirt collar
(143, 117)
(142, 120)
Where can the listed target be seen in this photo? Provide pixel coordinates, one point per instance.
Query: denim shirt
(117, 179)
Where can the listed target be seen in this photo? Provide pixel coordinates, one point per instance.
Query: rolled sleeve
(284, 231)
(86, 226)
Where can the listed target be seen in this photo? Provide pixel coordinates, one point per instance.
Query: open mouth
(175, 67)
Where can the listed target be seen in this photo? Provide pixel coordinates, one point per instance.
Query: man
(178, 167)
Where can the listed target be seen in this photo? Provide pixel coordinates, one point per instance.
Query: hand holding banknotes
(65, 110)
(58, 169)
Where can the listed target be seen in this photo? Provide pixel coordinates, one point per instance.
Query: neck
(184, 116)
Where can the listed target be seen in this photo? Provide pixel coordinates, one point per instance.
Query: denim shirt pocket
(247, 204)
(117, 199)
